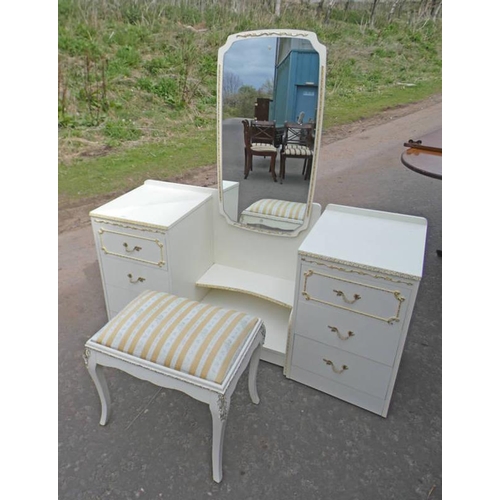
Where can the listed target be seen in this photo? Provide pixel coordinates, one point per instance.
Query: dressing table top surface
(378, 240)
(155, 203)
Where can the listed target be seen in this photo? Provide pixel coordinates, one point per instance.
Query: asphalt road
(298, 443)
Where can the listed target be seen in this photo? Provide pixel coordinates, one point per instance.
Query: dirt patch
(75, 214)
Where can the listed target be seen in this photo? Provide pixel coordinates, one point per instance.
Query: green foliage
(136, 74)
(121, 130)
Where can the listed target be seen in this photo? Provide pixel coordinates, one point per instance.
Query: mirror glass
(270, 104)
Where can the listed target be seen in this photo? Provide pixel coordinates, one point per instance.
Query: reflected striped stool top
(278, 208)
(263, 146)
(190, 337)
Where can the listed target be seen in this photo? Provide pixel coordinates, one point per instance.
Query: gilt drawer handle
(334, 329)
(135, 249)
(140, 279)
(336, 370)
(340, 293)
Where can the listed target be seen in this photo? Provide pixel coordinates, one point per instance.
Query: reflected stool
(276, 214)
(181, 344)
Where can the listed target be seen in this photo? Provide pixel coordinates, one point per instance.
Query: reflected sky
(252, 60)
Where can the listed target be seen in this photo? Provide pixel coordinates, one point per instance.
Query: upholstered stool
(180, 344)
(277, 214)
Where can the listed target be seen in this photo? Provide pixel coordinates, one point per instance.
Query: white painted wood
(155, 203)
(340, 391)
(260, 285)
(275, 317)
(190, 250)
(217, 396)
(385, 300)
(281, 223)
(231, 198)
(353, 268)
(380, 240)
(155, 228)
(369, 338)
(133, 276)
(258, 251)
(342, 367)
(218, 431)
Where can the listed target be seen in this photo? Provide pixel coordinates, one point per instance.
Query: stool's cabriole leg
(219, 407)
(252, 375)
(97, 374)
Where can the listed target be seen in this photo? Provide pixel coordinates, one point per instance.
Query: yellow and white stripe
(278, 208)
(262, 146)
(179, 333)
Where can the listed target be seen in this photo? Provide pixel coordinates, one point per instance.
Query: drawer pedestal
(350, 319)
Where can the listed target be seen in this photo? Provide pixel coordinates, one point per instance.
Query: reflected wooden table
(424, 156)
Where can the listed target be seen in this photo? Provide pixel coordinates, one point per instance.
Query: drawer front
(357, 334)
(341, 391)
(383, 301)
(118, 298)
(341, 367)
(133, 245)
(134, 276)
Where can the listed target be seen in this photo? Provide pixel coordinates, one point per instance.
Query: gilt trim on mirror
(268, 80)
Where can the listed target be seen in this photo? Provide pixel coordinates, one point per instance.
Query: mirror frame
(321, 49)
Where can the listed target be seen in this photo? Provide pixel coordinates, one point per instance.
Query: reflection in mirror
(270, 110)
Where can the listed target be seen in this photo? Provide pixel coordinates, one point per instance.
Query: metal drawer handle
(135, 249)
(140, 279)
(340, 293)
(334, 329)
(336, 370)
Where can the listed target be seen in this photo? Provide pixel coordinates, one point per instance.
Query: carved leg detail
(97, 374)
(252, 375)
(219, 407)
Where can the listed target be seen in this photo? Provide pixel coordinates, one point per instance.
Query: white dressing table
(172, 238)
(336, 293)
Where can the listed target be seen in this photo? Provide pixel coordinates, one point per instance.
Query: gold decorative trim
(86, 356)
(359, 267)
(159, 263)
(336, 370)
(334, 329)
(140, 279)
(280, 33)
(133, 360)
(119, 222)
(222, 406)
(397, 295)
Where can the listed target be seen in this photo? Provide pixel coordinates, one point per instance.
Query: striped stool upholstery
(278, 214)
(182, 344)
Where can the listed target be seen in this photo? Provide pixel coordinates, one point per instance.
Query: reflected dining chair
(255, 145)
(298, 142)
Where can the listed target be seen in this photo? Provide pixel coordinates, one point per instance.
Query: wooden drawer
(341, 367)
(357, 334)
(118, 298)
(134, 276)
(382, 301)
(133, 245)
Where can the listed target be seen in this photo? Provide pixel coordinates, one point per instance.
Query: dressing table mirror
(270, 107)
